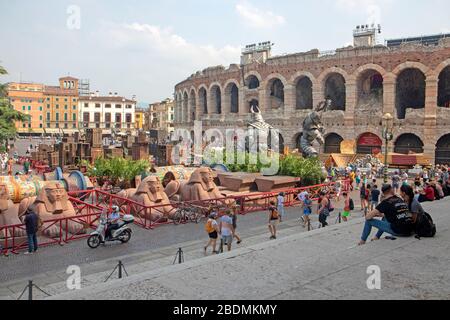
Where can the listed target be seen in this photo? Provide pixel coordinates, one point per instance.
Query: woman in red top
(427, 194)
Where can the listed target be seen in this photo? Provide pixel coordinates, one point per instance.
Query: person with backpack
(274, 220)
(323, 209)
(307, 210)
(423, 223)
(364, 196)
(212, 229)
(349, 206)
(396, 217)
(374, 197)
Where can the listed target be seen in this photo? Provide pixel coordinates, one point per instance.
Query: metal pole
(386, 159)
(30, 290)
(180, 256)
(120, 269)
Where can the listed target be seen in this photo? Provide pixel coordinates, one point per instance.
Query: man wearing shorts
(274, 220)
(347, 210)
(226, 229)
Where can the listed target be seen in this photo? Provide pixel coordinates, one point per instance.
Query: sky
(146, 47)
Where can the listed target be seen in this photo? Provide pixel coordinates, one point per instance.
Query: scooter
(122, 233)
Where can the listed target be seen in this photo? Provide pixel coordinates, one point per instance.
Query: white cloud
(372, 9)
(257, 18)
(164, 43)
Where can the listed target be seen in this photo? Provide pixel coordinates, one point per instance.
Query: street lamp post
(388, 123)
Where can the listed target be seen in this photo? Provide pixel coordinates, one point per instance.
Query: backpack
(330, 206)
(351, 204)
(209, 228)
(425, 226)
(275, 214)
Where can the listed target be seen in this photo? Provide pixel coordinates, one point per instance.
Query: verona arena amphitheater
(409, 79)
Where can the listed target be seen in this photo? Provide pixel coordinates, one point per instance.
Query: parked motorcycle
(122, 233)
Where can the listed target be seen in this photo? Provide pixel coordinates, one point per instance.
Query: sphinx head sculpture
(150, 193)
(54, 198)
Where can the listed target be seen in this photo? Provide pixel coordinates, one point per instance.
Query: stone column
(431, 97)
(289, 100)
(263, 100)
(389, 82)
(243, 107)
(318, 94)
(350, 103)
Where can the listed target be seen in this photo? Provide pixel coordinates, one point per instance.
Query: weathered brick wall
(429, 123)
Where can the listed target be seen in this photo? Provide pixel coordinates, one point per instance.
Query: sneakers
(273, 238)
(28, 253)
(239, 242)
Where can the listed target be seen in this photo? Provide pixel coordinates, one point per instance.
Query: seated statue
(150, 193)
(53, 203)
(9, 214)
(201, 186)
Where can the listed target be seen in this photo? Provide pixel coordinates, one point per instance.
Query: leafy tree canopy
(8, 116)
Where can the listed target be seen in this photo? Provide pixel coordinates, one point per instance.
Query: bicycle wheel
(179, 217)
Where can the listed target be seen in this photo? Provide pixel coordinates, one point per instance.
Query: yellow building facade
(28, 98)
(60, 111)
(140, 119)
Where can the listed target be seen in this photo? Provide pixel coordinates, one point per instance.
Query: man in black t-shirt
(397, 220)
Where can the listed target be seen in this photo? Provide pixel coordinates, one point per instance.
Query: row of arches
(410, 91)
(369, 143)
(408, 143)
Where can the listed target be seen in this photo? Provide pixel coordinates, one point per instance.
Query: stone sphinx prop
(150, 193)
(201, 186)
(9, 214)
(313, 130)
(53, 203)
(173, 186)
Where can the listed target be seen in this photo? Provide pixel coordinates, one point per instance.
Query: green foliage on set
(308, 169)
(117, 170)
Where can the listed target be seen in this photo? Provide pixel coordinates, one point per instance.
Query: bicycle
(187, 214)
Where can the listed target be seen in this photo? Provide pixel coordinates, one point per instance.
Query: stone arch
(333, 143)
(335, 90)
(215, 93)
(410, 91)
(193, 105)
(252, 80)
(408, 143)
(185, 108)
(303, 83)
(369, 86)
(443, 150)
(410, 65)
(369, 143)
(232, 96)
(444, 88)
(275, 86)
(203, 99)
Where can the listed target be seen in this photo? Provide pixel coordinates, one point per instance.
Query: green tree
(8, 116)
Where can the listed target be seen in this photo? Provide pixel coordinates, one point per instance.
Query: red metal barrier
(89, 204)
